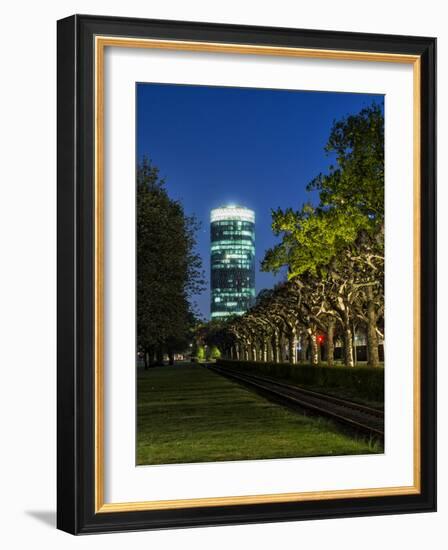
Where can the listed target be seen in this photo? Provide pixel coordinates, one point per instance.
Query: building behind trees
(232, 266)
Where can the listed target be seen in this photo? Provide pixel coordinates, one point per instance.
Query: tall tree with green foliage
(356, 181)
(169, 270)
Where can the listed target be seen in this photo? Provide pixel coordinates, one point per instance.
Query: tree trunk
(275, 348)
(149, 357)
(314, 348)
(292, 343)
(246, 352)
(281, 349)
(159, 358)
(254, 352)
(261, 352)
(329, 345)
(348, 346)
(303, 347)
(270, 351)
(372, 336)
(171, 358)
(145, 356)
(249, 351)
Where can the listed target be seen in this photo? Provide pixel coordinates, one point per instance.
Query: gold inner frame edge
(101, 42)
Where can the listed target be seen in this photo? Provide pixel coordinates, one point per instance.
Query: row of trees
(169, 270)
(334, 257)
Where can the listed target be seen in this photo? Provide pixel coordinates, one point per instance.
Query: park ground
(186, 413)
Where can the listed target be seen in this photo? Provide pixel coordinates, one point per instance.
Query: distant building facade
(232, 248)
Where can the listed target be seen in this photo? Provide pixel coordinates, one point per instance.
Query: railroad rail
(359, 417)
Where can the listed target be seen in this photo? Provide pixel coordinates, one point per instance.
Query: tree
(356, 181)
(168, 268)
(214, 353)
(341, 241)
(311, 237)
(200, 353)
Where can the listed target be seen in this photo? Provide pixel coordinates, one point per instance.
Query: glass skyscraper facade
(232, 237)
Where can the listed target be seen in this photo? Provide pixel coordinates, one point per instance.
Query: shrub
(362, 382)
(214, 353)
(200, 353)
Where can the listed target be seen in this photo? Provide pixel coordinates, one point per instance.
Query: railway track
(359, 417)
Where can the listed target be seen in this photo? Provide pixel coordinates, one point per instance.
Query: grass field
(189, 414)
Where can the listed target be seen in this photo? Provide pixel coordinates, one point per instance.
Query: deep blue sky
(253, 147)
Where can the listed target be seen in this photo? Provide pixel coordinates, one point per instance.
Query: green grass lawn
(189, 414)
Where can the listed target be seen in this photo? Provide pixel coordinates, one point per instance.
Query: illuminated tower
(232, 248)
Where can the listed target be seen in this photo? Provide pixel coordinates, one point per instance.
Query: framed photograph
(246, 274)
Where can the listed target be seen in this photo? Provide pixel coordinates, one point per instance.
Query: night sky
(252, 147)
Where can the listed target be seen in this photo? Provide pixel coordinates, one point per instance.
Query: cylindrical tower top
(232, 212)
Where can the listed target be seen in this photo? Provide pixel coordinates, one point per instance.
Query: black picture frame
(76, 272)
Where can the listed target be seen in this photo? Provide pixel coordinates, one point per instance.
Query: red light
(320, 339)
